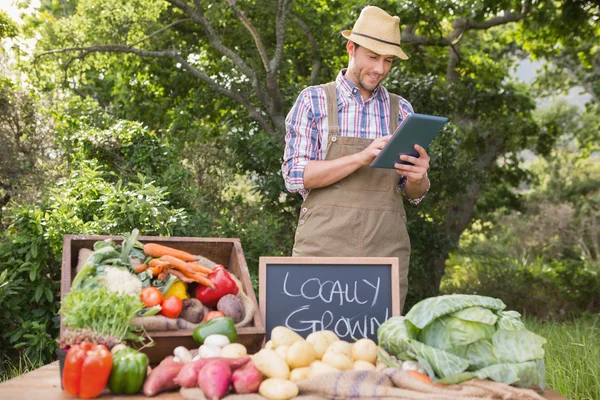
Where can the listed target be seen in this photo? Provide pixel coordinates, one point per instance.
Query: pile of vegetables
(460, 337)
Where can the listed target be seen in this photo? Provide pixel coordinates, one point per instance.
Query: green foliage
(88, 201)
(572, 355)
(8, 28)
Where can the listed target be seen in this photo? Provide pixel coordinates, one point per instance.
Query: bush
(87, 202)
(555, 289)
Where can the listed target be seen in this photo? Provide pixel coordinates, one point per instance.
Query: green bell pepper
(220, 325)
(128, 371)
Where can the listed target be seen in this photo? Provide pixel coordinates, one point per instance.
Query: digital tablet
(415, 129)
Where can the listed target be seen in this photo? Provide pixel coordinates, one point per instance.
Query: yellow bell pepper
(178, 289)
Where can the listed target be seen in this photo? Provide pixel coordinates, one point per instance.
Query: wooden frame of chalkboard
(350, 295)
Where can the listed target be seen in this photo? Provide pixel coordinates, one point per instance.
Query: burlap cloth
(390, 384)
(162, 323)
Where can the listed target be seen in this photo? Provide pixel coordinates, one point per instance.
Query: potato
(282, 351)
(320, 341)
(282, 336)
(337, 360)
(365, 350)
(269, 345)
(270, 364)
(278, 389)
(300, 354)
(299, 374)
(360, 365)
(234, 350)
(231, 306)
(341, 347)
(318, 368)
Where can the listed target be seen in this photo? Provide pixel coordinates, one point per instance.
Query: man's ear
(351, 48)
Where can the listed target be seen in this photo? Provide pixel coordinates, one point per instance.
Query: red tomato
(151, 296)
(213, 314)
(171, 307)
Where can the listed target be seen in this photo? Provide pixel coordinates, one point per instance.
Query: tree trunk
(462, 209)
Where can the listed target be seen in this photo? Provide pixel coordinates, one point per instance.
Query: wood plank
(44, 383)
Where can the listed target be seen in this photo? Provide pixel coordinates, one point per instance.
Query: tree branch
(253, 32)
(282, 6)
(172, 54)
(172, 24)
(253, 112)
(314, 48)
(197, 15)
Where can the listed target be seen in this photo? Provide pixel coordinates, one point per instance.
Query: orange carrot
(200, 268)
(140, 268)
(180, 275)
(157, 266)
(158, 250)
(422, 377)
(187, 270)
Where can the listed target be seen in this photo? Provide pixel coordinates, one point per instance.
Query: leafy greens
(460, 337)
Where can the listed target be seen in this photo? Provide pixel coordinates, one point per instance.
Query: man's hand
(417, 172)
(368, 155)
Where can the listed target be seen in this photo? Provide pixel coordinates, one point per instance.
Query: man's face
(366, 68)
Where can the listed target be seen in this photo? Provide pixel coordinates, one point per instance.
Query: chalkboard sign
(348, 295)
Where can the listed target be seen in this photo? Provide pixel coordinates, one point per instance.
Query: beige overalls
(361, 215)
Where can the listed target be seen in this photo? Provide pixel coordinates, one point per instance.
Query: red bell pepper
(86, 371)
(224, 284)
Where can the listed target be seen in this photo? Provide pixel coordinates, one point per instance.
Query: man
(333, 133)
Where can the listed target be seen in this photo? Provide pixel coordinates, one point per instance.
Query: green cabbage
(460, 337)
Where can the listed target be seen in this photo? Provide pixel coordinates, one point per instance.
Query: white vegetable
(300, 354)
(318, 368)
(410, 365)
(271, 364)
(299, 374)
(182, 354)
(321, 340)
(117, 348)
(122, 281)
(337, 360)
(282, 336)
(278, 389)
(360, 365)
(208, 351)
(365, 350)
(217, 340)
(176, 359)
(341, 347)
(197, 357)
(234, 350)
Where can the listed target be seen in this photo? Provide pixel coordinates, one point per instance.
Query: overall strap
(394, 112)
(332, 109)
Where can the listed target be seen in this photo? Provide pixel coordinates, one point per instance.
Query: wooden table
(44, 383)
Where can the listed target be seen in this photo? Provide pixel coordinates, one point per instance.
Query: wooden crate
(227, 252)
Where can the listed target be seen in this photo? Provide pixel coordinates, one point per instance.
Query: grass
(572, 356)
(10, 369)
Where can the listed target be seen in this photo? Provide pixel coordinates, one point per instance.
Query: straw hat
(378, 31)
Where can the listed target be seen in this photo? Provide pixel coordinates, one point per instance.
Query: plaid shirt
(307, 130)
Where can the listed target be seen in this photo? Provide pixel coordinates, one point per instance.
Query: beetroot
(214, 379)
(246, 379)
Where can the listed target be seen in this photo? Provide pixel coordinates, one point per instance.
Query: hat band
(374, 38)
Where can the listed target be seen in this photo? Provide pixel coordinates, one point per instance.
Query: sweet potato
(162, 378)
(214, 379)
(188, 376)
(246, 379)
(231, 306)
